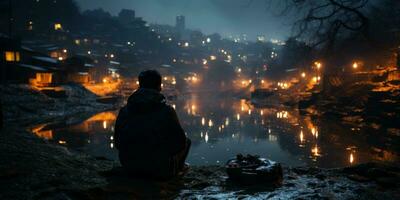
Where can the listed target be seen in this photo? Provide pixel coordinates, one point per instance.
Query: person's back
(148, 135)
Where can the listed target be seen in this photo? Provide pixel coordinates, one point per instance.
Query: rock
(388, 182)
(254, 170)
(306, 170)
(312, 184)
(358, 178)
(289, 185)
(201, 185)
(289, 177)
(375, 173)
(320, 176)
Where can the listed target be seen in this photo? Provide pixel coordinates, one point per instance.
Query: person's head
(150, 79)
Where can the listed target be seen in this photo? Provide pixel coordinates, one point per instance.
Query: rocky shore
(375, 105)
(24, 105)
(31, 168)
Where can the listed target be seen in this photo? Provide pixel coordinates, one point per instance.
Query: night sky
(227, 17)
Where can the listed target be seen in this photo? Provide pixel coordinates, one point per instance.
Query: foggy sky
(222, 16)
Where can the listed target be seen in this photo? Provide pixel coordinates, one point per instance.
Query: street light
(318, 64)
(355, 65)
(303, 74)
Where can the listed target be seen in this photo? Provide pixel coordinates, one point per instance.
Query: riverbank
(32, 168)
(24, 105)
(367, 104)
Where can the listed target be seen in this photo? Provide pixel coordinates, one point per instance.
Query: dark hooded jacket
(148, 134)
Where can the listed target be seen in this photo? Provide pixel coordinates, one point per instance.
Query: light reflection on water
(221, 127)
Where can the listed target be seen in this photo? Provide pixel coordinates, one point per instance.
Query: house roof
(36, 68)
(45, 59)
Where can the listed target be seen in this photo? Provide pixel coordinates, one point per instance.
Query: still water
(221, 126)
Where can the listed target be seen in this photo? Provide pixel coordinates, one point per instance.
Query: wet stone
(320, 176)
(358, 178)
(312, 184)
(291, 177)
(289, 185)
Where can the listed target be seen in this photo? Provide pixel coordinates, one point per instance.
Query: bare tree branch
(321, 22)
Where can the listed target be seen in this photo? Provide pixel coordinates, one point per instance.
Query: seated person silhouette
(148, 135)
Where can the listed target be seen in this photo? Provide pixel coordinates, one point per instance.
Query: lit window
(30, 25)
(54, 54)
(17, 57)
(57, 27)
(11, 56)
(44, 78)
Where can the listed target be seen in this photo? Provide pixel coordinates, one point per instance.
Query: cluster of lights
(172, 80)
(274, 55)
(131, 43)
(246, 82)
(315, 151)
(191, 109)
(283, 85)
(205, 136)
(318, 65)
(317, 79)
(315, 132)
(282, 115)
(115, 75)
(109, 55)
(192, 79)
(229, 58)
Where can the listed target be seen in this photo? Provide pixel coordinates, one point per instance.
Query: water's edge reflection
(222, 126)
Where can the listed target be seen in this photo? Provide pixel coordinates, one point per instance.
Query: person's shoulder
(168, 108)
(123, 111)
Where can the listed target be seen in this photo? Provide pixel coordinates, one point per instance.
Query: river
(221, 126)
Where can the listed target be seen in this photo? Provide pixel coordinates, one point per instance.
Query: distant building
(21, 64)
(196, 38)
(180, 24)
(261, 38)
(78, 69)
(244, 37)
